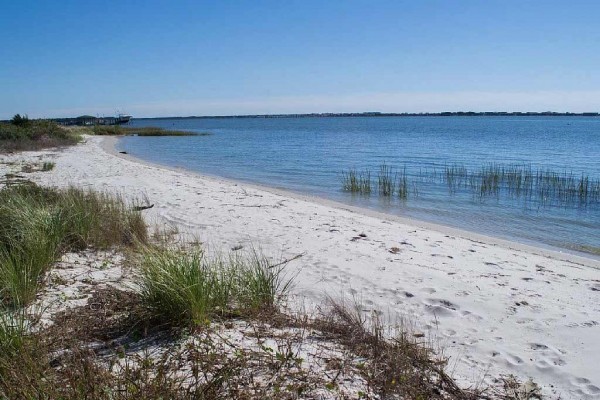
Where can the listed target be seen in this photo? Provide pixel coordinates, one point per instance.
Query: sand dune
(497, 307)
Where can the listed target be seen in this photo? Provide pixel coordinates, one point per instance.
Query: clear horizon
(158, 58)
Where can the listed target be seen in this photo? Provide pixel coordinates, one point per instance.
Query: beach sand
(496, 307)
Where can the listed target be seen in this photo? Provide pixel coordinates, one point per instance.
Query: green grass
(38, 224)
(402, 182)
(387, 180)
(35, 135)
(48, 166)
(13, 329)
(187, 287)
(541, 187)
(112, 130)
(357, 182)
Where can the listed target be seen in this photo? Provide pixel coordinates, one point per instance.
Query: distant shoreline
(379, 114)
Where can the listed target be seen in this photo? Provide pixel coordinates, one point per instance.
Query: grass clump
(48, 166)
(34, 135)
(188, 287)
(357, 182)
(38, 224)
(44, 167)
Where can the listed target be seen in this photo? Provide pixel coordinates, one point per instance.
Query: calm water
(307, 155)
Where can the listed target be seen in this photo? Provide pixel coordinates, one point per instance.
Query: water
(307, 155)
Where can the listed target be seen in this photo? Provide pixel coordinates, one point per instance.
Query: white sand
(497, 307)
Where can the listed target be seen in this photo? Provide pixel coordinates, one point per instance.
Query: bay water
(310, 155)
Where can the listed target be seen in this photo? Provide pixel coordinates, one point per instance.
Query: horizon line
(385, 114)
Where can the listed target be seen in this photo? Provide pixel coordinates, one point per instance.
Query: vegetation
(112, 347)
(44, 167)
(24, 134)
(357, 182)
(112, 130)
(387, 181)
(185, 287)
(48, 166)
(38, 224)
(541, 187)
(19, 120)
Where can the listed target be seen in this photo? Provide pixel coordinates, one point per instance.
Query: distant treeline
(380, 114)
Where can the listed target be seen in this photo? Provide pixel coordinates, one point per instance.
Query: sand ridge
(495, 306)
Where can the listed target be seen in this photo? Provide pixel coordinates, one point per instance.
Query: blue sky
(158, 58)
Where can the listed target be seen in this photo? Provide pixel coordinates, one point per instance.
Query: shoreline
(109, 144)
(494, 307)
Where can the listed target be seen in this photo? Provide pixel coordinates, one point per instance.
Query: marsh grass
(402, 181)
(455, 177)
(357, 182)
(387, 180)
(188, 287)
(541, 187)
(113, 130)
(38, 224)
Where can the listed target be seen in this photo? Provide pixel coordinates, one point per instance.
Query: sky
(178, 58)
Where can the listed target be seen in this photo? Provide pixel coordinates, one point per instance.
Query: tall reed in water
(543, 187)
(403, 184)
(387, 180)
(356, 182)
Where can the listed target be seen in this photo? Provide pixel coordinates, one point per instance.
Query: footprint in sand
(586, 386)
(440, 307)
(449, 332)
(514, 360)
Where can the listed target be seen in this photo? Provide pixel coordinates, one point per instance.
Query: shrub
(19, 120)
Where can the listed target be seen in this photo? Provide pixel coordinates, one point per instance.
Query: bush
(19, 120)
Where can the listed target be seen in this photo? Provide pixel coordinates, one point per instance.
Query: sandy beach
(496, 307)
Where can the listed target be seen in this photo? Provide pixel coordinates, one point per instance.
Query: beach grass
(13, 329)
(38, 224)
(44, 167)
(188, 287)
(48, 166)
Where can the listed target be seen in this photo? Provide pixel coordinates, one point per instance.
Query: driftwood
(140, 208)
